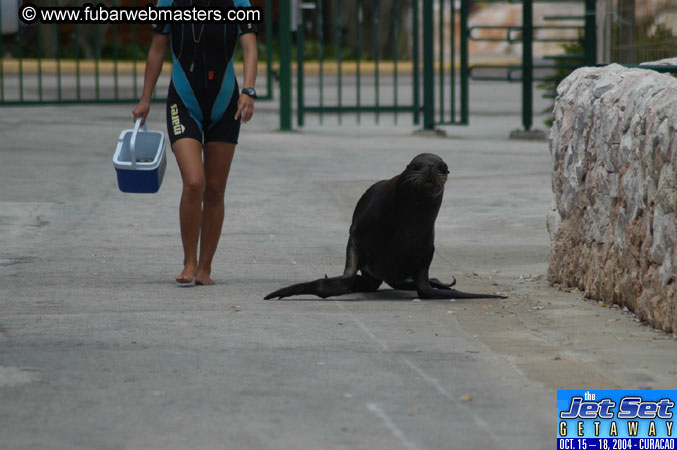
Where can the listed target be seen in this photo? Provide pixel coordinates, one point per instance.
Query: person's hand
(245, 108)
(141, 110)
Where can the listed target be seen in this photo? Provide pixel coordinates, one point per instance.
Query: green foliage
(563, 68)
(125, 51)
(313, 51)
(660, 45)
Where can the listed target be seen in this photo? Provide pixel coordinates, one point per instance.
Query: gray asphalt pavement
(99, 349)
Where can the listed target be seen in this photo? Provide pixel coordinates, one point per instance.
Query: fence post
(590, 33)
(527, 63)
(285, 66)
(300, 56)
(269, 48)
(2, 64)
(417, 64)
(626, 32)
(465, 71)
(428, 67)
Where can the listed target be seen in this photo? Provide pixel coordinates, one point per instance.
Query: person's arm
(245, 106)
(156, 56)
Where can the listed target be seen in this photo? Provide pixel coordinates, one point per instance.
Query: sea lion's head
(427, 174)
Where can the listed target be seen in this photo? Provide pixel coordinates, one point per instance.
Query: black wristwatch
(250, 92)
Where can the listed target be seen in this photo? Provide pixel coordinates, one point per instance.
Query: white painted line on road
(388, 422)
(428, 379)
(436, 384)
(431, 381)
(381, 343)
(384, 347)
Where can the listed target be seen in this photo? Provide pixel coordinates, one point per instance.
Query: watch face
(250, 92)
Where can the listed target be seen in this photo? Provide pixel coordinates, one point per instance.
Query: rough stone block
(613, 223)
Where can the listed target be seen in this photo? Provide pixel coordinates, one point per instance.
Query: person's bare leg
(188, 154)
(218, 157)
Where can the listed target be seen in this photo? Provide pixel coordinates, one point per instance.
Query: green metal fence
(394, 81)
(347, 73)
(526, 72)
(88, 63)
(445, 99)
(434, 105)
(353, 102)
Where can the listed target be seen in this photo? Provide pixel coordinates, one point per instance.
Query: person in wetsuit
(204, 111)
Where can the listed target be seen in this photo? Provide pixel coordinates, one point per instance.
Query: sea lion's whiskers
(415, 177)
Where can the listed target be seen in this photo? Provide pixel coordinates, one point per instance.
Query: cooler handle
(132, 142)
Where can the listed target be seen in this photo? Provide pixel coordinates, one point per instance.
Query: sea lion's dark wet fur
(392, 238)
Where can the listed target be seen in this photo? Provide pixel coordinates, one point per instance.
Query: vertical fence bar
(115, 57)
(358, 30)
(57, 42)
(269, 48)
(285, 65)
(428, 67)
(300, 35)
(452, 74)
(441, 61)
(38, 50)
(416, 74)
(396, 39)
(134, 58)
(625, 34)
(590, 33)
(377, 50)
(2, 62)
(527, 63)
(78, 86)
(339, 59)
(21, 63)
(321, 35)
(97, 56)
(465, 72)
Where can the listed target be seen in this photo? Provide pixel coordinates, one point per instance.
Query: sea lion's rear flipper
(328, 287)
(323, 287)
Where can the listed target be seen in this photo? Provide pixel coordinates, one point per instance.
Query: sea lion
(392, 238)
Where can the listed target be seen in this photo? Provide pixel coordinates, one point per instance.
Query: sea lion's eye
(444, 169)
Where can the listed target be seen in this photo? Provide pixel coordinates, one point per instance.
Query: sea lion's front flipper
(430, 289)
(434, 282)
(410, 285)
(433, 293)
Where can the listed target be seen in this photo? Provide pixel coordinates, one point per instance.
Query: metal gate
(442, 78)
(352, 73)
(356, 74)
(530, 71)
(444, 88)
(68, 63)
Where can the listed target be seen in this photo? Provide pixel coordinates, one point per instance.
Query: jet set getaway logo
(615, 420)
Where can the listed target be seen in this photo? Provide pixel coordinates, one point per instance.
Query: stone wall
(613, 221)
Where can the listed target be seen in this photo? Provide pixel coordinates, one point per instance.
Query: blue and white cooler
(140, 160)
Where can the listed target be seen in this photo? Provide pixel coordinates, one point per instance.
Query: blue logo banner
(605, 419)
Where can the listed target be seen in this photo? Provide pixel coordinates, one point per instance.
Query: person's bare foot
(187, 276)
(203, 279)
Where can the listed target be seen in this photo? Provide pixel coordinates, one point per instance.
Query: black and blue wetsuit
(203, 94)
